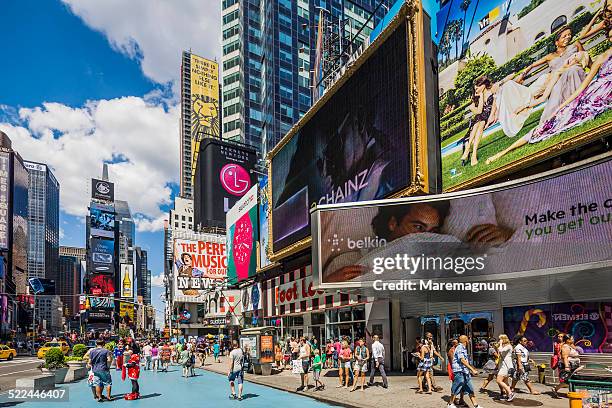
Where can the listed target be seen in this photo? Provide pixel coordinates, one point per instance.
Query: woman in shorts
(424, 367)
(344, 364)
(490, 367)
(362, 356)
(506, 367)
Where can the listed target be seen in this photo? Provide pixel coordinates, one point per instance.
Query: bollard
(575, 398)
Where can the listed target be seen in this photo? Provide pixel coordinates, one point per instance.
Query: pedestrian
(344, 365)
(329, 352)
(295, 348)
(452, 345)
(423, 368)
(304, 357)
(462, 370)
(155, 357)
(434, 353)
(90, 375)
(185, 361)
(201, 350)
(490, 367)
(216, 349)
(118, 354)
(362, 356)
(569, 362)
(506, 367)
(378, 355)
(278, 356)
(317, 365)
(166, 356)
(100, 359)
(235, 374)
(132, 366)
(336, 353)
(146, 353)
(523, 366)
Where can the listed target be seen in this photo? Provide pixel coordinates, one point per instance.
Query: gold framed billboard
(520, 82)
(366, 137)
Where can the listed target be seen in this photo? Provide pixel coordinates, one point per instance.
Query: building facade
(68, 283)
(43, 221)
(49, 313)
(127, 231)
(143, 275)
(269, 51)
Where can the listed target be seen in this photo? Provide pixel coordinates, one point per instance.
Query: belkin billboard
(222, 176)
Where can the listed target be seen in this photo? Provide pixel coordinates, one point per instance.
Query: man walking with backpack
(235, 374)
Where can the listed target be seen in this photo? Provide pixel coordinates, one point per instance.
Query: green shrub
(110, 346)
(73, 358)
(454, 130)
(79, 350)
(54, 359)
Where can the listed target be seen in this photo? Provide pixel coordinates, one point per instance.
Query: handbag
(297, 367)
(554, 361)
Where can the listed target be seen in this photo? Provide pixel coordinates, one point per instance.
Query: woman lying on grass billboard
(520, 78)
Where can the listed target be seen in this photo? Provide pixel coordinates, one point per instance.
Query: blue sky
(85, 82)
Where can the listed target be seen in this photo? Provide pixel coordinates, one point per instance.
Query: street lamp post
(34, 324)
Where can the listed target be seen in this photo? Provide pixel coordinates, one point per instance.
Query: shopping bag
(296, 367)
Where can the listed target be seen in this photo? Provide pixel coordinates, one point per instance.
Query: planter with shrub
(54, 364)
(79, 350)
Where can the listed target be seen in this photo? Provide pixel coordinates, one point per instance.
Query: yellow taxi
(62, 345)
(7, 352)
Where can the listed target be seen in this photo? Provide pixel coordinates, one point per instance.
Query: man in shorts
(462, 370)
(100, 359)
(235, 374)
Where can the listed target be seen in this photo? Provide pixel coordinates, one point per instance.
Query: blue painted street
(171, 390)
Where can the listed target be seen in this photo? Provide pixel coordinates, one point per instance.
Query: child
(133, 373)
(317, 364)
(118, 354)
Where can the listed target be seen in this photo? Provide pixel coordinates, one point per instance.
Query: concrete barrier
(40, 382)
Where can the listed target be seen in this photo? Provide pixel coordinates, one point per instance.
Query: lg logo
(103, 188)
(235, 179)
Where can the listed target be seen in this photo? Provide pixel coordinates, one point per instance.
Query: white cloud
(155, 32)
(157, 280)
(139, 139)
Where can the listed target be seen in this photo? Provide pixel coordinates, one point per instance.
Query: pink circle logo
(235, 179)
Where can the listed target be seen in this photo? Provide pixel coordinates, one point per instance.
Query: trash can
(575, 398)
(590, 390)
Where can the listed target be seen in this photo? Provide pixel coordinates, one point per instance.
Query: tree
(475, 66)
(444, 47)
(456, 31)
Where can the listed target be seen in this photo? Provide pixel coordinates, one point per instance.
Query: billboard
(223, 175)
(126, 280)
(205, 117)
(102, 190)
(241, 235)
(126, 309)
(519, 82)
(547, 224)
(251, 298)
(5, 199)
(264, 238)
(586, 321)
(364, 139)
(102, 220)
(199, 266)
(42, 285)
(20, 243)
(102, 255)
(97, 302)
(101, 285)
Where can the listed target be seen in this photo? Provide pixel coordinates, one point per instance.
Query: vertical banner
(127, 281)
(242, 226)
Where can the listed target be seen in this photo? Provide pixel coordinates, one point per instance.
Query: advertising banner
(264, 205)
(102, 221)
(519, 83)
(102, 190)
(266, 344)
(126, 309)
(223, 175)
(97, 315)
(199, 266)
(249, 343)
(354, 148)
(102, 255)
(97, 302)
(205, 116)
(127, 281)
(5, 199)
(547, 224)
(241, 235)
(101, 285)
(42, 285)
(251, 298)
(588, 322)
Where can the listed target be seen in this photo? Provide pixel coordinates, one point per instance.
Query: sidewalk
(401, 391)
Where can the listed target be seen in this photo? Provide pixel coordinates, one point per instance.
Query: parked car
(7, 352)
(62, 345)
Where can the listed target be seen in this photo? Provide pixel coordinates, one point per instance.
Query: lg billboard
(223, 176)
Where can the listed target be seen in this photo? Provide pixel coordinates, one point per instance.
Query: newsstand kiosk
(259, 343)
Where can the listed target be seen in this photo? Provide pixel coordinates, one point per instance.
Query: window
(230, 17)
(231, 78)
(183, 218)
(190, 219)
(255, 114)
(286, 92)
(229, 3)
(286, 110)
(540, 35)
(231, 63)
(578, 10)
(176, 224)
(230, 32)
(231, 47)
(286, 74)
(558, 23)
(285, 38)
(227, 111)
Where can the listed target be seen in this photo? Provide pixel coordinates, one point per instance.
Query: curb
(252, 378)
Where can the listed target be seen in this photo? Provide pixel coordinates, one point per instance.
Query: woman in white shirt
(522, 365)
(506, 367)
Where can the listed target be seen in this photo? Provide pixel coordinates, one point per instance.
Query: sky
(87, 82)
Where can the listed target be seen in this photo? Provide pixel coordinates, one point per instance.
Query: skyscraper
(127, 231)
(143, 275)
(43, 221)
(68, 283)
(269, 50)
(199, 112)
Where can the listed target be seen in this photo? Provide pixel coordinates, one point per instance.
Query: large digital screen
(5, 199)
(103, 255)
(102, 221)
(242, 235)
(354, 148)
(544, 225)
(519, 81)
(126, 281)
(588, 322)
(223, 176)
(199, 266)
(264, 239)
(101, 285)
